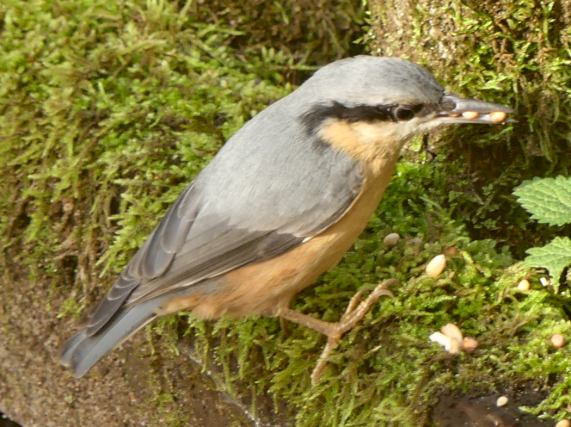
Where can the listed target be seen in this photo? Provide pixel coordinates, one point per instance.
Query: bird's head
(386, 101)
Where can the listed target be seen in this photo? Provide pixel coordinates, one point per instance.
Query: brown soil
(131, 387)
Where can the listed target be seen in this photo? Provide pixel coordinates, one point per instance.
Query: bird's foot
(355, 311)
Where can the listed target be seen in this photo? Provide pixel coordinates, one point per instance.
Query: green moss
(514, 53)
(109, 109)
(386, 370)
(308, 32)
(105, 119)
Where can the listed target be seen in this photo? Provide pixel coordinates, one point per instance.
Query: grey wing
(241, 209)
(151, 260)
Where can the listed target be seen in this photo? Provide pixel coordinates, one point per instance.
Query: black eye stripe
(359, 113)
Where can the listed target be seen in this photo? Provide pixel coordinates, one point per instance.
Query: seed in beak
(498, 117)
(470, 115)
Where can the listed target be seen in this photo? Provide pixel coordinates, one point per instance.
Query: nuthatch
(280, 203)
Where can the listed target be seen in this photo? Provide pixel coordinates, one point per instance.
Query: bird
(280, 203)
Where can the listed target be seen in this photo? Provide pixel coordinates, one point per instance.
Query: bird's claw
(355, 311)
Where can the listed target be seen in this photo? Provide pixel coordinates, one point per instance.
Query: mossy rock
(309, 32)
(513, 53)
(108, 110)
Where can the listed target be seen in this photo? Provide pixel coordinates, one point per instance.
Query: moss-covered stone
(309, 32)
(110, 108)
(512, 52)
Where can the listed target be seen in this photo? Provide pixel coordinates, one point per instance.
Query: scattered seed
(450, 345)
(436, 266)
(563, 423)
(498, 116)
(435, 33)
(440, 338)
(557, 340)
(454, 347)
(524, 285)
(470, 115)
(452, 331)
(391, 240)
(502, 401)
(451, 251)
(450, 337)
(67, 207)
(469, 344)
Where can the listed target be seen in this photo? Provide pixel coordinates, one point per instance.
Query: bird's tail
(82, 350)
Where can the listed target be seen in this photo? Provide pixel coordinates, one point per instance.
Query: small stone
(557, 340)
(470, 115)
(502, 401)
(498, 116)
(544, 281)
(563, 423)
(524, 285)
(436, 266)
(469, 344)
(391, 240)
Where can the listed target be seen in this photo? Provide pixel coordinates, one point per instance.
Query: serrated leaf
(554, 256)
(547, 199)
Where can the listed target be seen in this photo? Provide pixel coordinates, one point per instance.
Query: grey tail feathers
(82, 351)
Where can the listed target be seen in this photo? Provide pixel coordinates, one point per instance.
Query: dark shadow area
(6, 422)
(454, 410)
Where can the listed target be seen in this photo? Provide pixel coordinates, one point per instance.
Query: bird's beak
(463, 110)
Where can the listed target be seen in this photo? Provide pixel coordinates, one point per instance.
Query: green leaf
(554, 256)
(547, 199)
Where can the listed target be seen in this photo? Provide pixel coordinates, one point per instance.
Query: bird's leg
(355, 311)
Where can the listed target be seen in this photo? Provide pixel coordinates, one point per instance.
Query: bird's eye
(403, 113)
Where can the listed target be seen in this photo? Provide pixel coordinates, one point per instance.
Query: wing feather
(239, 211)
